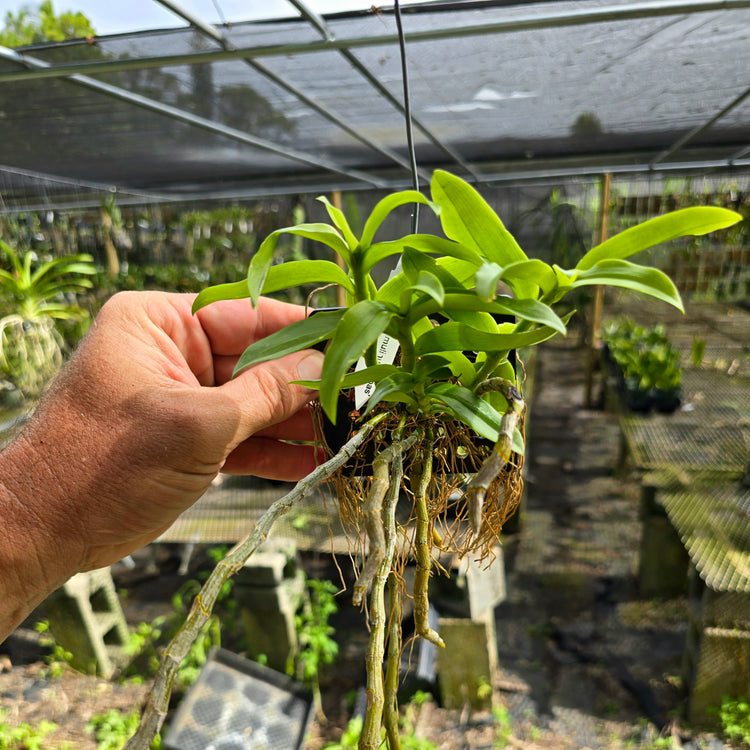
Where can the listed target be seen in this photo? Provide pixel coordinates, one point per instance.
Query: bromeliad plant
(446, 415)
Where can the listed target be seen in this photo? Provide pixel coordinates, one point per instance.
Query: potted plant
(665, 375)
(444, 416)
(646, 366)
(38, 295)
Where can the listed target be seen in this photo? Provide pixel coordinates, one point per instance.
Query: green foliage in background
(36, 288)
(644, 353)
(148, 638)
(112, 729)
(734, 717)
(58, 656)
(32, 25)
(316, 647)
(408, 737)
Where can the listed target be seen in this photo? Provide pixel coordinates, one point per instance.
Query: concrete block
(267, 614)
(473, 588)
(663, 563)
(263, 569)
(468, 664)
(722, 668)
(86, 619)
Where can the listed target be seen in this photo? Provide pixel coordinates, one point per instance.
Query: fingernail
(311, 366)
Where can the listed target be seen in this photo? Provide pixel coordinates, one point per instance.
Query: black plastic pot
(637, 400)
(666, 402)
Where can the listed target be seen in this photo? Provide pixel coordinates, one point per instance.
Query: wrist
(35, 558)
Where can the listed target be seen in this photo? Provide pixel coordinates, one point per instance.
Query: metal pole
(696, 131)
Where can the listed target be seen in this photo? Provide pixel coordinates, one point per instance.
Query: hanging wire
(407, 114)
(222, 17)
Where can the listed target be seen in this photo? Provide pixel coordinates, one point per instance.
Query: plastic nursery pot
(636, 399)
(666, 402)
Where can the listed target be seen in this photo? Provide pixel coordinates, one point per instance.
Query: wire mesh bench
(713, 523)
(229, 511)
(709, 438)
(695, 512)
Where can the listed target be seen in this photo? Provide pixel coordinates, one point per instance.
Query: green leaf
(292, 338)
(373, 374)
(642, 279)
(299, 272)
(385, 206)
(517, 443)
(478, 319)
(391, 292)
(468, 219)
(486, 280)
(459, 269)
(460, 337)
(696, 220)
(525, 274)
(532, 310)
(469, 408)
(233, 290)
(396, 387)
(427, 283)
(357, 330)
(339, 220)
(424, 243)
(263, 258)
(425, 367)
(412, 262)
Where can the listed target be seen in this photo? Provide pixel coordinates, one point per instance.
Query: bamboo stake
(596, 314)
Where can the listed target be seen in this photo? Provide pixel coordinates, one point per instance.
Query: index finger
(232, 325)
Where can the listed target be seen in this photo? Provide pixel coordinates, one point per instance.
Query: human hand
(146, 414)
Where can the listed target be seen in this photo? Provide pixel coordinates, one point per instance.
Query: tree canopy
(37, 25)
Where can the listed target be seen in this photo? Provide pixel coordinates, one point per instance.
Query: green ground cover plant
(316, 647)
(734, 718)
(24, 736)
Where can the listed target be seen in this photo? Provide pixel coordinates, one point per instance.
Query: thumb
(265, 393)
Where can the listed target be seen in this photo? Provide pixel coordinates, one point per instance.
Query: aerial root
(501, 452)
(422, 555)
(372, 512)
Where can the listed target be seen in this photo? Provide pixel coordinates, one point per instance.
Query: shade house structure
(506, 94)
(499, 92)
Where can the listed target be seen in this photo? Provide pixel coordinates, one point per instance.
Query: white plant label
(387, 348)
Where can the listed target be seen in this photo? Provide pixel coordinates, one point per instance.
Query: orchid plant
(445, 411)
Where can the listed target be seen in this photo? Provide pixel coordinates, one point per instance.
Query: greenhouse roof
(499, 91)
